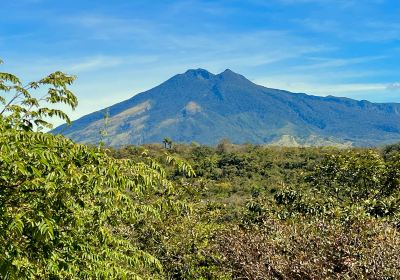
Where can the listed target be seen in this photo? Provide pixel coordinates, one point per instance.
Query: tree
(22, 110)
(68, 211)
(354, 176)
(361, 177)
(224, 146)
(167, 143)
(391, 150)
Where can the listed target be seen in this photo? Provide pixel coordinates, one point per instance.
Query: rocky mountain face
(202, 107)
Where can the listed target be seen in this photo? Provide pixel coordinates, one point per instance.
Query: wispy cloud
(376, 31)
(371, 30)
(213, 8)
(108, 27)
(336, 3)
(348, 88)
(322, 62)
(95, 63)
(393, 86)
(321, 85)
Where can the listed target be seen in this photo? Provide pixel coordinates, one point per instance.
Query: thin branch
(10, 102)
(26, 87)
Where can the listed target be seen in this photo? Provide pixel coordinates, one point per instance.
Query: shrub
(313, 249)
(67, 211)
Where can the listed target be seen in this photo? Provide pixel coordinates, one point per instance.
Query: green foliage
(281, 213)
(362, 178)
(22, 110)
(66, 207)
(391, 150)
(70, 211)
(167, 143)
(182, 244)
(352, 176)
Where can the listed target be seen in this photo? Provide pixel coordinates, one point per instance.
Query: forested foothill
(186, 211)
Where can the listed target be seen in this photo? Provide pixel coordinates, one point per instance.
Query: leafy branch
(21, 110)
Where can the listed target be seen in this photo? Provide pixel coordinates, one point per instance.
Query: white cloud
(94, 63)
(393, 86)
(313, 85)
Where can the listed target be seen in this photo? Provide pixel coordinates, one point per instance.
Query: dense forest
(174, 211)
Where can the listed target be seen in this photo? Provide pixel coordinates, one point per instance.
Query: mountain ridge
(204, 107)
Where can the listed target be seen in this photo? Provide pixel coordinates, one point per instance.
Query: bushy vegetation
(173, 211)
(69, 211)
(287, 213)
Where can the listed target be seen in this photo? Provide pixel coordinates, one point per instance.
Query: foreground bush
(67, 211)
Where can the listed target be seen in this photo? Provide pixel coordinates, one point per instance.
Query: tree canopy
(67, 211)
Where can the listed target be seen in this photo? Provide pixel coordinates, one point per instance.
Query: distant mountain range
(202, 107)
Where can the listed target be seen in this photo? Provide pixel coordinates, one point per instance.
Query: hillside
(202, 107)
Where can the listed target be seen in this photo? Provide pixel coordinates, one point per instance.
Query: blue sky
(119, 48)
